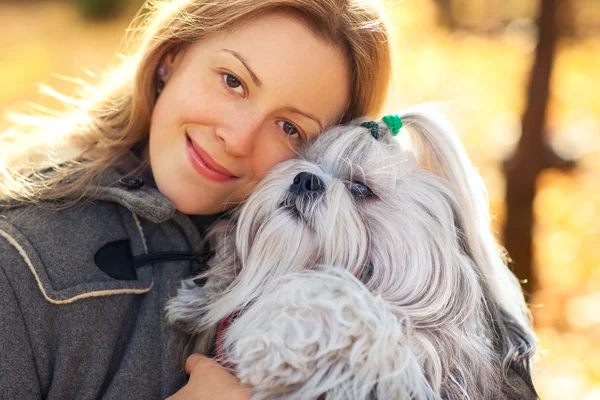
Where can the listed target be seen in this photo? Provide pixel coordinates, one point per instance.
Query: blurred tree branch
(533, 153)
(445, 14)
(499, 14)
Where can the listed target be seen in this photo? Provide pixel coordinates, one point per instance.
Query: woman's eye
(289, 128)
(360, 191)
(233, 83)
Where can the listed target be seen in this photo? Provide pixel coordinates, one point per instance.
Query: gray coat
(77, 320)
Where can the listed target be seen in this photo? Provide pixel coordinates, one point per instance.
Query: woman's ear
(170, 62)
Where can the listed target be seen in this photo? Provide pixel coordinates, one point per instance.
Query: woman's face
(234, 105)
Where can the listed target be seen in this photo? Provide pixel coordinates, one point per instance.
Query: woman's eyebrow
(258, 83)
(237, 55)
(307, 115)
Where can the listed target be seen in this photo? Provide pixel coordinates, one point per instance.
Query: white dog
(365, 269)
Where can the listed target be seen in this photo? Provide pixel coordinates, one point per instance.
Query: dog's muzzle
(306, 189)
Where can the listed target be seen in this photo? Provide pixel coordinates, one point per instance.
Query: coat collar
(130, 184)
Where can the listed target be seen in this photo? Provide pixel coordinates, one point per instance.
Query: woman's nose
(240, 135)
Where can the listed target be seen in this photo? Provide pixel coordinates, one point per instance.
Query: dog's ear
(438, 148)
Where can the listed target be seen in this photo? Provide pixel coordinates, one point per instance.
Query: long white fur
(422, 245)
(323, 331)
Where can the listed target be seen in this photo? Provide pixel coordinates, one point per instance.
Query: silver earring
(162, 71)
(160, 84)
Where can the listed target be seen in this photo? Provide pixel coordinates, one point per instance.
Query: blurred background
(520, 80)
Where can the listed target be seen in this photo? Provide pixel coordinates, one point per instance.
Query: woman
(104, 204)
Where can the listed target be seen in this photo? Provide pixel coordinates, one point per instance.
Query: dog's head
(365, 203)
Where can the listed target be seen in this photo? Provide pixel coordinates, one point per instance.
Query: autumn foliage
(481, 76)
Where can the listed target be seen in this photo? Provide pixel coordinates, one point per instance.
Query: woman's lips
(205, 165)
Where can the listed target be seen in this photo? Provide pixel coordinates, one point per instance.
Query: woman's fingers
(210, 381)
(192, 360)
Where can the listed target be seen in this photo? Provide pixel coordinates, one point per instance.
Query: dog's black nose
(305, 182)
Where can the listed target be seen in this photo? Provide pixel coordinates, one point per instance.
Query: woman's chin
(188, 201)
(198, 205)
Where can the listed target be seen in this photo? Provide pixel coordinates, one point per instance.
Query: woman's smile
(205, 165)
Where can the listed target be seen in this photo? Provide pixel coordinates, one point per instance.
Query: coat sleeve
(18, 375)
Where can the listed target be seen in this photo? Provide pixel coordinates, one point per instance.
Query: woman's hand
(210, 381)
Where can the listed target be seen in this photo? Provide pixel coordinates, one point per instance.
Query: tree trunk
(533, 154)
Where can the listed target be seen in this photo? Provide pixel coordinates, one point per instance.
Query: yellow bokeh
(482, 80)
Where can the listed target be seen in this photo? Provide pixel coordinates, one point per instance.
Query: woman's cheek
(278, 153)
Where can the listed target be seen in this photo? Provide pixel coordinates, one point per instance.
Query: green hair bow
(393, 122)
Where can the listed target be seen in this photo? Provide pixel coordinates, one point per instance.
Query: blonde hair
(108, 119)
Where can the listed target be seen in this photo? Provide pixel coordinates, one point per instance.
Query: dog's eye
(360, 191)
